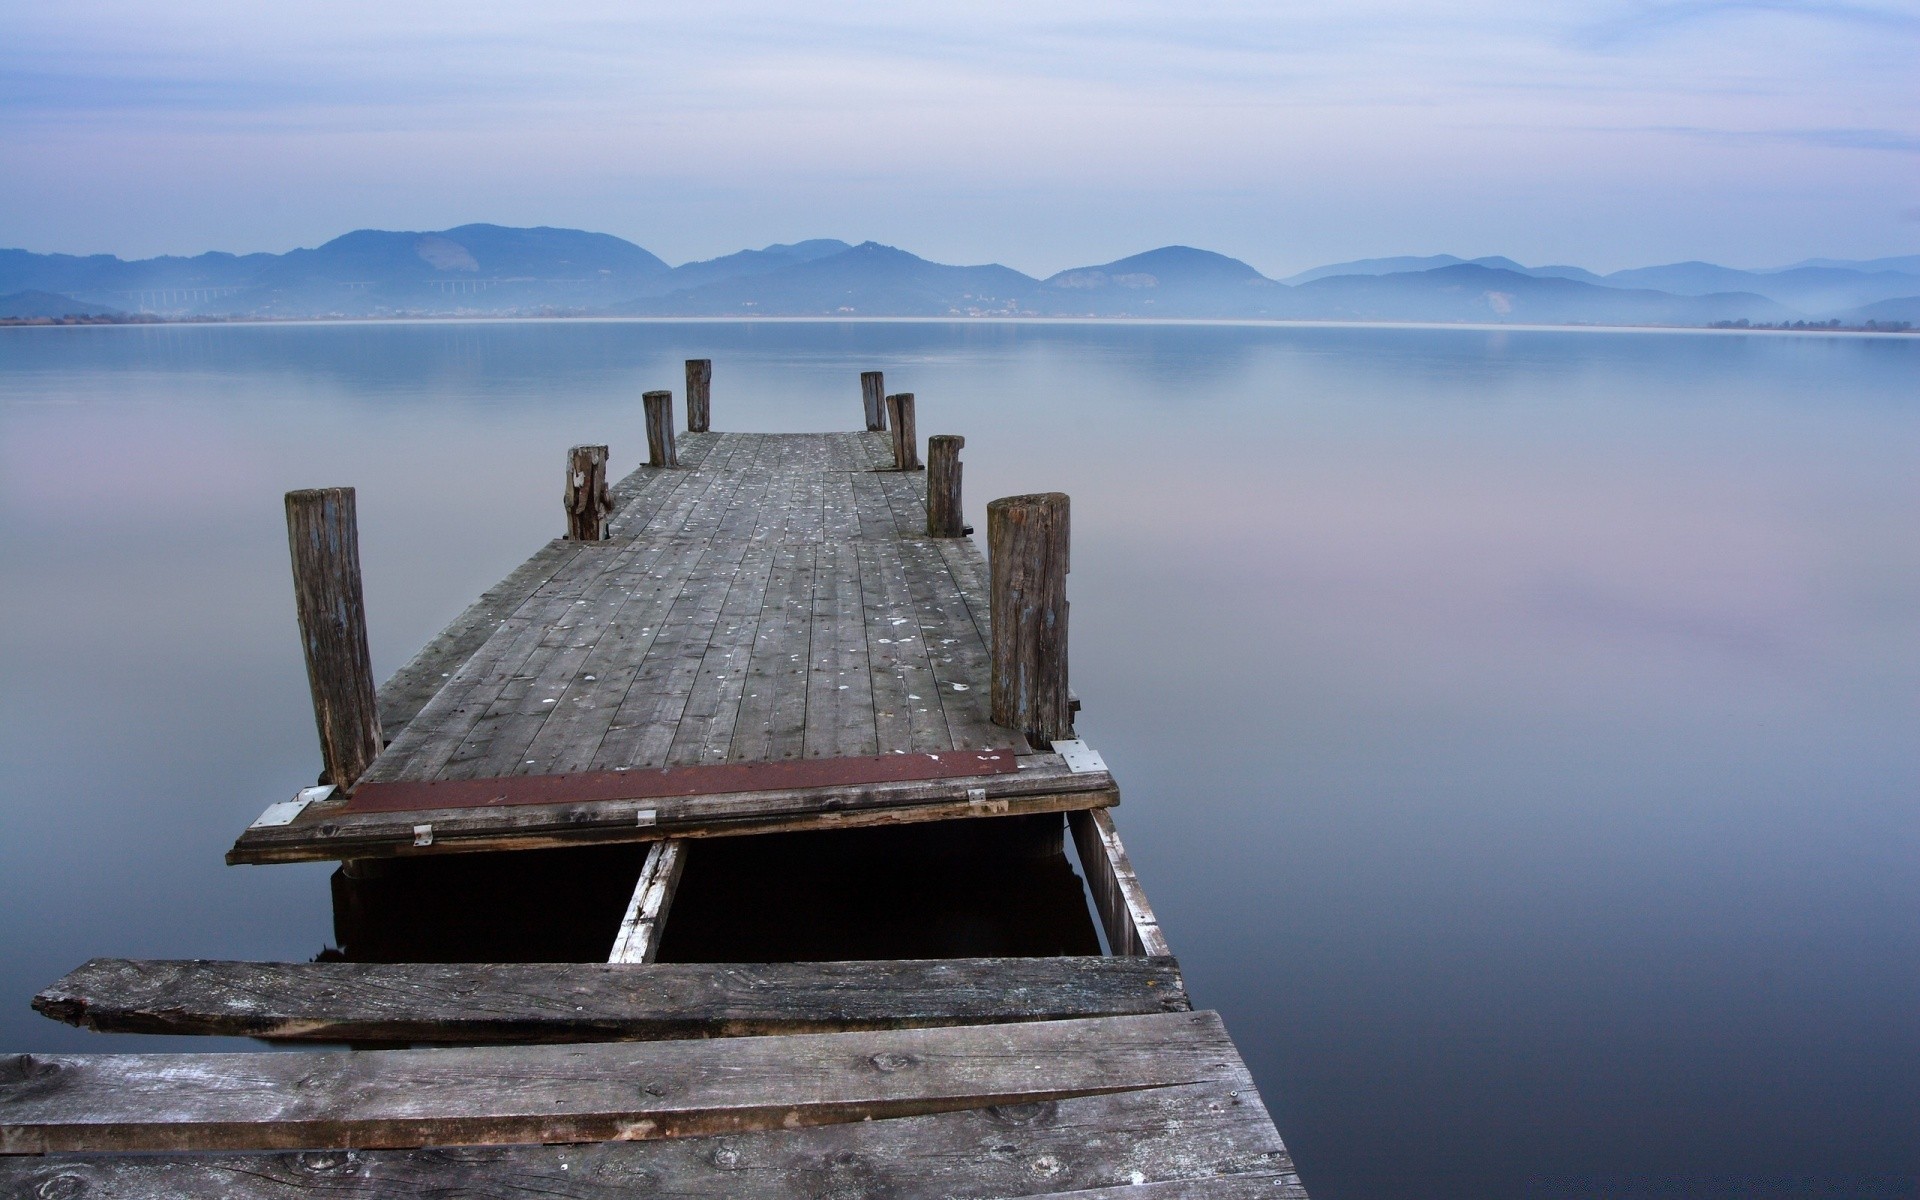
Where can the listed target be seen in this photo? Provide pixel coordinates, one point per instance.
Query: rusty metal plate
(653, 783)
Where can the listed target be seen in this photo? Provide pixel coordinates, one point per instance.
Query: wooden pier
(774, 635)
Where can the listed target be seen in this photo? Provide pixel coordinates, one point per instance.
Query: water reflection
(1516, 727)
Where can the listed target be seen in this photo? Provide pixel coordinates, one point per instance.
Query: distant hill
(1468, 292)
(865, 280)
(33, 304)
(1903, 308)
(494, 270)
(1815, 291)
(1905, 263)
(744, 263)
(1173, 281)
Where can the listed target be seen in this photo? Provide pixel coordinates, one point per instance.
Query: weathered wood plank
(908, 715)
(409, 688)
(840, 720)
(593, 1092)
(1193, 1140)
(324, 832)
(564, 1002)
(645, 922)
(643, 725)
(772, 721)
(1117, 895)
(957, 654)
(445, 721)
(707, 722)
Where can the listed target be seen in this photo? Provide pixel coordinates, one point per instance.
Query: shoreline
(80, 322)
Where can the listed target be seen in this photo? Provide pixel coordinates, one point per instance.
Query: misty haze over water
(1516, 727)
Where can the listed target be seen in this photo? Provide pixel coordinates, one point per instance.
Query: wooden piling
(660, 452)
(1027, 546)
(873, 391)
(323, 534)
(699, 394)
(906, 445)
(943, 486)
(587, 501)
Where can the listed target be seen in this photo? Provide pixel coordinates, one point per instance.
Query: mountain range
(492, 270)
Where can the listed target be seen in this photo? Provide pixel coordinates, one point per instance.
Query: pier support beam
(699, 394)
(323, 534)
(588, 504)
(646, 919)
(873, 392)
(1027, 551)
(660, 452)
(906, 443)
(943, 486)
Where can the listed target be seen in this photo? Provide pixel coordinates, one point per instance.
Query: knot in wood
(61, 1187)
(326, 1162)
(25, 1068)
(1024, 1116)
(889, 1061)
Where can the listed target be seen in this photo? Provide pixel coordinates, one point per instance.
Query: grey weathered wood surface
(774, 597)
(1027, 540)
(562, 1002)
(645, 921)
(944, 516)
(873, 397)
(589, 1092)
(323, 537)
(699, 394)
(659, 415)
(588, 504)
(1117, 895)
(323, 831)
(409, 688)
(1193, 1140)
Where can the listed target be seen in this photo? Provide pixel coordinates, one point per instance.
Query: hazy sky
(1041, 134)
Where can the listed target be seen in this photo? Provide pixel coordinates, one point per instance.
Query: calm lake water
(1518, 728)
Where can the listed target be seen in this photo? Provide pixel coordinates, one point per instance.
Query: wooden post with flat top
(943, 486)
(699, 394)
(1027, 548)
(588, 504)
(660, 452)
(323, 533)
(873, 392)
(906, 445)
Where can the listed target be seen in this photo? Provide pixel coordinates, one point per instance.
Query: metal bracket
(1081, 758)
(423, 835)
(284, 812)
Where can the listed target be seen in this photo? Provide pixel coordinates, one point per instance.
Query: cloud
(1891, 140)
(1643, 23)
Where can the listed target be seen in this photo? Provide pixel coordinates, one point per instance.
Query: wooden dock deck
(756, 634)
(767, 639)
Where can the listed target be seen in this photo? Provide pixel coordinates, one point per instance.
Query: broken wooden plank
(1196, 1140)
(595, 1092)
(645, 922)
(1043, 783)
(558, 1002)
(1117, 895)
